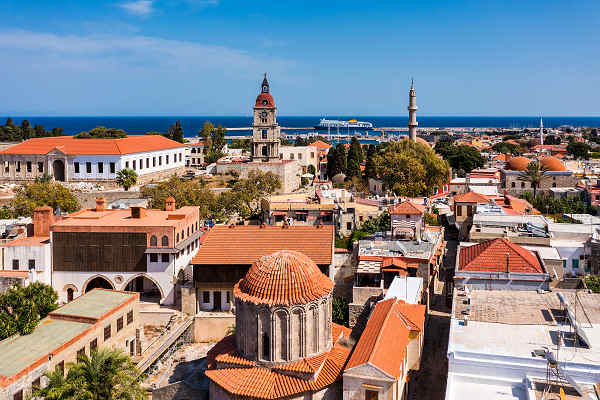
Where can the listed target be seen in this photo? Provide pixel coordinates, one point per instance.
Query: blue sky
(206, 57)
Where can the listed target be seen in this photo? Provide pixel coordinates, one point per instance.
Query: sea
(192, 124)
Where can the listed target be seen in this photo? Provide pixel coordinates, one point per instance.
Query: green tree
(579, 150)
(340, 310)
(331, 162)
(311, 169)
(370, 170)
(23, 307)
(341, 160)
(205, 134)
(175, 132)
(36, 194)
(251, 191)
(552, 139)
(27, 131)
(126, 178)
(355, 158)
(593, 283)
(466, 158)
(105, 375)
(507, 148)
(410, 169)
(101, 132)
(534, 174)
(243, 144)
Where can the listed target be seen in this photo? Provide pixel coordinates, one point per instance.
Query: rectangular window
(93, 345)
(61, 367)
(159, 160)
(15, 264)
(76, 165)
(88, 167)
(264, 133)
(299, 156)
(349, 226)
(134, 165)
(458, 211)
(126, 164)
(206, 296)
(7, 167)
(575, 263)
(28, 166)
(40, 167)
(228, 296)
(18, 169)
(153, 257)
(112, 167)
(100, 167)
(107, 333)
(291, 156)
(119, 323)
(180, 157)
(153, 161)
(31, 264)
(167, 159)
(312, 154)
(371, 395)
(129, 317)
(81, 352)
(148, 162)
(18, 395)
(165, 257)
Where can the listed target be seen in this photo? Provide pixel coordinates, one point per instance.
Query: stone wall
(7, 282)
(178, 391)
(512, 184)
(212, 327)
(88, 199)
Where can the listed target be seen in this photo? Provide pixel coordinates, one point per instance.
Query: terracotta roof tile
(320, 144)
(265, 383)
(71, 146)
(28, 241)
(384, 340)
(242, 245)
(490, 256)
(470, 197)
(407, 207)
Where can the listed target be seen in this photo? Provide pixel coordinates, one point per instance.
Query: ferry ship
(326, 124)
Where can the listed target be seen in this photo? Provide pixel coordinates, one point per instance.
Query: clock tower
(265, 131)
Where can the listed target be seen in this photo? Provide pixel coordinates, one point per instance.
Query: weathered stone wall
(88, 199)
(510, 182)
(212, 328)
(178, 391)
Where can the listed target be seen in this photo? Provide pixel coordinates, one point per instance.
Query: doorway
(217, 300)
(58, 170)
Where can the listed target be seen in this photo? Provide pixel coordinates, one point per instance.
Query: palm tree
(107, 375)
(534, 174)
(126, 178)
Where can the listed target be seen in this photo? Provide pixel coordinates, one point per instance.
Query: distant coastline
(191, 125)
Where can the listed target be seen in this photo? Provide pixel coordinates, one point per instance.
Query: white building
(305, 155)
(500, 342)
(68, 159)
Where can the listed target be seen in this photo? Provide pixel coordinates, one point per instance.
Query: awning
(279, 213)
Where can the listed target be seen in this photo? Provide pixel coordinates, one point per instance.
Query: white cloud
(138, 7)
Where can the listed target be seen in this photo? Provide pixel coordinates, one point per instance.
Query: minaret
(412, 113)
(541, 132)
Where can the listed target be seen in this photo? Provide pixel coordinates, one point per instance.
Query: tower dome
(517, 164)
(552, 164)
(283, 278)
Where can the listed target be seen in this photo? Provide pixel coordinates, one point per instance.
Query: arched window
(165, 240)
(266, 347)
(153, 241)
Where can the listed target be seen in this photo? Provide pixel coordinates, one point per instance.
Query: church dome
(517, 164)
(283, 278)
(552, 164)
(264, 100)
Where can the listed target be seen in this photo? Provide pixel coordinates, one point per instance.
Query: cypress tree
(355, 158)
(370, 163)
(331, 162)
(341, 162)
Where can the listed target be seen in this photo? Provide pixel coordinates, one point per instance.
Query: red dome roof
(264, 100)
(283, 278)
(552, 164)
(517, 164)
(420, 140)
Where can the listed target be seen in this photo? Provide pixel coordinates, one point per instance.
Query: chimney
(42, 220)
(100, 204)
(170, 204)
(138, 212)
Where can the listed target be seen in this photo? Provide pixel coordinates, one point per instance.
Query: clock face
(264, 114)
(265, 102)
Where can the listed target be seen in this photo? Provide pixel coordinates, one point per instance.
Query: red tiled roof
(320, 144)
(242, 245)
(283, 278)
(71, 146)
(264, 100)
(28, 241)
(490, 256)
(265, 383)
(383, 343)
(470, 197)
(9, 273)
(407, 207)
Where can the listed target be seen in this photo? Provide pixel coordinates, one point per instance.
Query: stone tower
(541, 132)
(412, 113)
(265, 131)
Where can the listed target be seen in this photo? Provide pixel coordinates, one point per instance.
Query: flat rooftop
(95, 303)
(122, 218)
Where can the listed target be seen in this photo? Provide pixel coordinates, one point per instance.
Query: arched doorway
(69, 295)
(146, 287)
(58, 170)
(98, 282)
